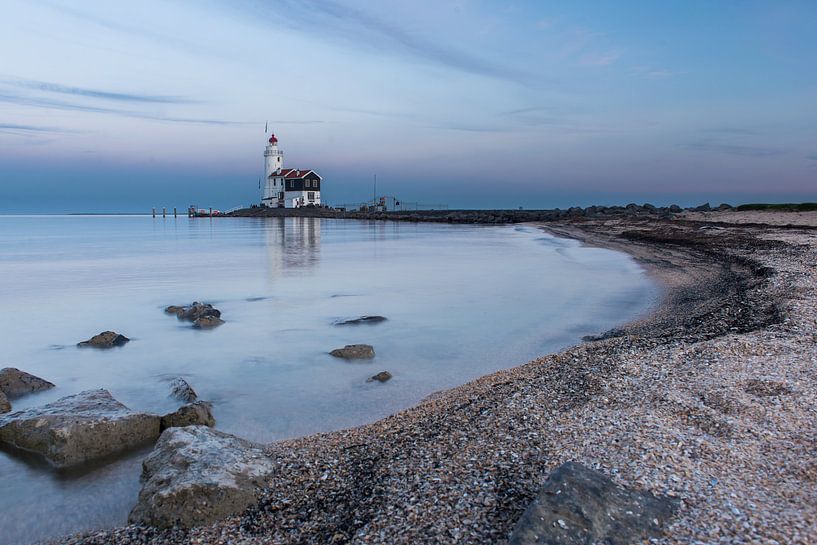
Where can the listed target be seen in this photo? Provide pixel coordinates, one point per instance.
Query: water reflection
(293, 246)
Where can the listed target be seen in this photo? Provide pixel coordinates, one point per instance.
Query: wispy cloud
(741, 131)
(734, 149)
(600, 59)
(331, 18)
(24, 130)
(57, 104)
(49, 87)
(150, 35)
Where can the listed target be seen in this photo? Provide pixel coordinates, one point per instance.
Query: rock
(193, 414)
(702, 208)
(207, 322)
(194, 311)
(79, 428)
(5, 406)
(181, 390)
(16, 383)
(723, 206)
(382, 376)
(354, 352)
(106, 339)
(196, 476)
(675, 209)
(579, 506)
(362, 320)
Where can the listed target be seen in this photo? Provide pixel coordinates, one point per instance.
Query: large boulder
(181, 390)
(579, 506)
(79, 428)
(193, 414)
(196, 475)
(354, 352)
(5, 406)
(362, 320)
(16, 383)
(106, 339)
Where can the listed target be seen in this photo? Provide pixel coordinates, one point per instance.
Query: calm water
(461, 302)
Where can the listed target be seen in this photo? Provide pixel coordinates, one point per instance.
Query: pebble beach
(710, 400)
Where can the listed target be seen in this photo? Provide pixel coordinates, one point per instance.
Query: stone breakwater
(631, 210)
(709, 401)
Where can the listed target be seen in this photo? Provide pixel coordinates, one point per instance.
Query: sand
(710, 400)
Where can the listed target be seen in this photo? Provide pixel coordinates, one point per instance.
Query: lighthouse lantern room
(287, 187)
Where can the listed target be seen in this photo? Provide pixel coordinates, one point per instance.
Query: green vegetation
(786, 207)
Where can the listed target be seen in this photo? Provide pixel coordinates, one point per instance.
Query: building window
(311, 195)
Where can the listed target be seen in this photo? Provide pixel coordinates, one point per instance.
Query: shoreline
(663, 403)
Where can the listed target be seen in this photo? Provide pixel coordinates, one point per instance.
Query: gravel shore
(711, 400)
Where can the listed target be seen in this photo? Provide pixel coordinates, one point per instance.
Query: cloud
(58, 104)
(328, 17)
(599, 59)
(156, 37)
(734, 149)
(48, 87)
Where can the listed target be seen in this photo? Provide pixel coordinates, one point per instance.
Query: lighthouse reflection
(293, 246)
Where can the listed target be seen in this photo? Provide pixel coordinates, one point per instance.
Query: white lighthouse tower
(273, 163)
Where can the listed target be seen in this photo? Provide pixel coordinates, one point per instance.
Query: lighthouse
(287, 187)
(273, 157)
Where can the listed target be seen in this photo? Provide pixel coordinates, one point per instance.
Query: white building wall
(293, 198)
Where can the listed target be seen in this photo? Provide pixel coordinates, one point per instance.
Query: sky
(124, 106)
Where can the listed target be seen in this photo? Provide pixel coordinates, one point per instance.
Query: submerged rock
(16, 383)
(5, 406)
(362, 320)
(354, 352)
(579, 506)
(196, 475)
(106, 339)
(194, 311)
(193, 414)
(207, 322)
(79, 428)
(382, 376)
(181, 390)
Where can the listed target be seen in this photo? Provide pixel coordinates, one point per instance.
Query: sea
(460, 302)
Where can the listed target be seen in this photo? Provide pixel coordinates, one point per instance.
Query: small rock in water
(79, 428)
(207, 322)
(181, 390)
(382, 376)
(16, 383)
(192, 414)
(193, 312)
(5, 406)
(577, 506)
(354, 352)
(362, 320)
(106, 339)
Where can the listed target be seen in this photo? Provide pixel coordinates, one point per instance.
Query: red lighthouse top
(273, 140)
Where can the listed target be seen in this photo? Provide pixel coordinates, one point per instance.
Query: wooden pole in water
(211, 211)
(164, 212)
(174, 211)
(154, 212)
